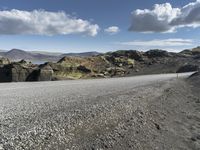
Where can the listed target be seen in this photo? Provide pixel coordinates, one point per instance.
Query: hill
(16, 54)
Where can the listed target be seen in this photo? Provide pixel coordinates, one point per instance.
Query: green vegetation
(69, 75)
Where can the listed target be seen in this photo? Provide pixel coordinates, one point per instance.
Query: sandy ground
(144, 113)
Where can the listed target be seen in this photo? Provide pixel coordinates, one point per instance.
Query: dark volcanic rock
(188, 68)
(195, 79)
(84, 69)
(186, 52)
(133, 54)
(136, 55)
(197, 57)
(14, 73)
(43, 73)
(156, 53)
(24, 62)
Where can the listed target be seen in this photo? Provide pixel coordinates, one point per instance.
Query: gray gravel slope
(82, 114)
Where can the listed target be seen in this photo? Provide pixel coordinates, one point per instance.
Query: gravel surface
(144, 112)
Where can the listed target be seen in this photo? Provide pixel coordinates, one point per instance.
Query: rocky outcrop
(116, 71)
(195, 80)
(197, 49)
(132, 54)
(45, 73)
(193, 52)
(188, 68)
(77, 67)
(186, 52)
(24, 71)
(15, 72)
(120, 61)
(83, 69)
(42, 73)
(156, 53)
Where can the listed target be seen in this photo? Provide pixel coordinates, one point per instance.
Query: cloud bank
(112, 30)
(165, 18)
(160, 43)
(41, 22)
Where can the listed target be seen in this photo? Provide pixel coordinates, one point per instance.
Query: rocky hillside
(197, 49)
(112, 64)
(84, 54)
(195, 80)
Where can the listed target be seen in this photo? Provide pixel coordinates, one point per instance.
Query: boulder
(43, 73)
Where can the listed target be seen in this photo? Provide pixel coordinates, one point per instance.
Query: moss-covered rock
(4, 61)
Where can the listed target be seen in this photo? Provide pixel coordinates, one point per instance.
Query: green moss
(70, 65)
(130, 61)
(75, 75)
(69, 75)
(124, 61)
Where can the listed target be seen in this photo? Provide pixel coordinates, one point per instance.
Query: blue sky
(105, 25)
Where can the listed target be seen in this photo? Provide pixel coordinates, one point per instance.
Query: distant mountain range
(41, 56)
(17, 54)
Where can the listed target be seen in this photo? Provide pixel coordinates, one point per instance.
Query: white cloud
(160, 43)
(112, 30)
(165, 18)
(41, 22)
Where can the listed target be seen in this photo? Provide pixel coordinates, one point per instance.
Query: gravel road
(115, 113)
